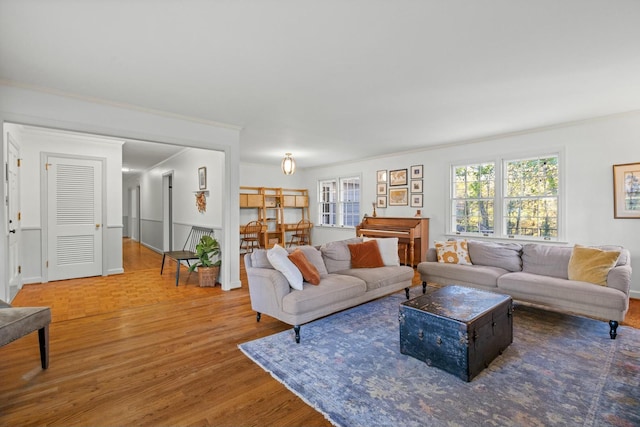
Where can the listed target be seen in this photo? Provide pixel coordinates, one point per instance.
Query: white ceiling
(356, 77)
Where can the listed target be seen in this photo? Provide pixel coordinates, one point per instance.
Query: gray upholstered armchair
(16, 322)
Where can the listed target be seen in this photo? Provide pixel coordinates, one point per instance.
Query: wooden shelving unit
(278, 209)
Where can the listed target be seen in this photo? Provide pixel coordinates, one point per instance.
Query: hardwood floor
(143, 352)
(133, 349)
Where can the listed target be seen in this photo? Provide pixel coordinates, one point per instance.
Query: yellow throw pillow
(453, 252)
(591, 264)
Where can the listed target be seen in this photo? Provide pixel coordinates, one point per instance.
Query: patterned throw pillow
(453, 252)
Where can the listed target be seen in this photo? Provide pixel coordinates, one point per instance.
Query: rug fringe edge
(324, 414)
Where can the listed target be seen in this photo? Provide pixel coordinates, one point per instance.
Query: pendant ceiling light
(288, 164)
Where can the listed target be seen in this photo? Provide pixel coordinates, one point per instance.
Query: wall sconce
(288, 164)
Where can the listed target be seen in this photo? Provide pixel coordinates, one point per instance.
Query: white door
(13, 207)
(74, 196)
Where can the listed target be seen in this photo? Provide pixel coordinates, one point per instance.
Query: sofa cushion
(259, 259)
(623, 259)
(309, 272)
(332, 289)
(591, 265)
(496, 254)
(560, 292)
(336, 254)
(453, 252)
(448, 274)
(388, 249)
(546, 260)
(376, 278)
(279, 258)
(314, 256)
(365, 255)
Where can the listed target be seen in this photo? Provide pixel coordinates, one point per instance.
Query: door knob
(97, 225)
(12, 231)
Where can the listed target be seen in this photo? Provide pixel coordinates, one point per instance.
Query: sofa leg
(424, 287)
(406, 292)
(43, 338)
(614, 329)
(296, 329)
(258, 315)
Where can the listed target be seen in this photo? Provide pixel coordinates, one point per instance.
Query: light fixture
(288, 164)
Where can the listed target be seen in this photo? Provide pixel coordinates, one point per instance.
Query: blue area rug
(559, 370)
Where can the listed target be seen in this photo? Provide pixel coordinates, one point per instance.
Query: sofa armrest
(620, 278)
(267, 287)
(432, 255)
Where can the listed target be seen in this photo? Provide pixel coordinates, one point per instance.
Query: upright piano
(412, 234)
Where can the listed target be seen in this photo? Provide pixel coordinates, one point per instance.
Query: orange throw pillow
(309, 271)
(366, 255)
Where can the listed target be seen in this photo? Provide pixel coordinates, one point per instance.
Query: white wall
(184, 168)
(38, 108)
(590, 147)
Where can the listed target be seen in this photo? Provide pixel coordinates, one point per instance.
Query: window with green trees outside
(518, 200)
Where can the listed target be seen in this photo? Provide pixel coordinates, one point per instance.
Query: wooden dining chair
(250, 238)
(302, 233)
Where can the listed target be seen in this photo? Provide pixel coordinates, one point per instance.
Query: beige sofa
(537, 274)
(340, 287)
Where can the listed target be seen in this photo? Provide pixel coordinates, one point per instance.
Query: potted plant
(209, 261)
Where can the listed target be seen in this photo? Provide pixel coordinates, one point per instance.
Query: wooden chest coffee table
(457, 329)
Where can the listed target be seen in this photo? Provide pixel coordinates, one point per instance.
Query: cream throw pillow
(591, 264)
(388, 249)
(279, 258)
(453, 252)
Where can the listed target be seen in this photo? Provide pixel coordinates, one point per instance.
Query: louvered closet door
(74, 218)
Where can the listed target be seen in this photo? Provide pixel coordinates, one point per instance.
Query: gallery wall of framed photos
(400, 187)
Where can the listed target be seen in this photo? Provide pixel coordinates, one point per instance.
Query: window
(473, 198)
(339, 201)
(525, 204)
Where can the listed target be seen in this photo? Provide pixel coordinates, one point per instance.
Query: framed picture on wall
(202, 178)
(416, 186)
(397, 177)
(416, 200)
(381, 202)
(381, 189)
(381, 176)
(626, 190)
(417, 171)
(398, 196)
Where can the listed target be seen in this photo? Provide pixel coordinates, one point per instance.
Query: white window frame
(340, 201)
(499, 220)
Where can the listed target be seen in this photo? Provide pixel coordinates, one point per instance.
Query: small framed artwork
(381, 176)
(381, 201)
(202, 178)
(416, 200)
(626, 190)
(417, 171)
(398, 196)
(416, 186)
(397, 177)
(381, 189)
